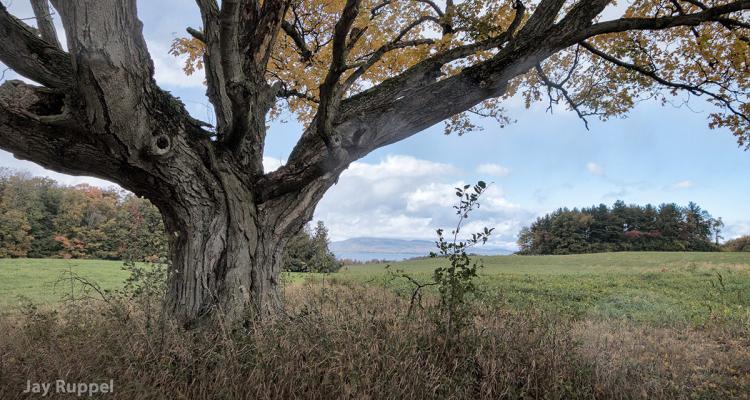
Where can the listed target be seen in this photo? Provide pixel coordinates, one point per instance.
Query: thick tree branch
(395, 109)
(402, 99)
(298, 40)
(196, 34)
(263, 34)
(388, 114)
(239, 37)
(44, 22)
(728, 23)
(330, 89)
(216, 92)
(251, 96)
(115, 95)
(428, 70)
(542, 18)
(229, 41)
(32, 57)
(34, 126)
(714, 14)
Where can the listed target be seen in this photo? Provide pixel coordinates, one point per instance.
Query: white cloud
(595, 169)
(398, 166)
(431, 194)
(405, 197)
(168, 68)
(272, 164)
(686, 184)
(493, 169)
(736, 229)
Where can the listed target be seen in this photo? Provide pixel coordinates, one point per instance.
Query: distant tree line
(622, 227)
(739, 244)
(41, 218)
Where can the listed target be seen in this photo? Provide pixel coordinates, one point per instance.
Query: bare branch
(375, 11)
(434, 6)
(196, 34)
(564, 92)
(694, 89)
(287, 93)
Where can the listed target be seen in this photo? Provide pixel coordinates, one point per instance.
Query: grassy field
(656, 288)
(41, 280)
(599, 326)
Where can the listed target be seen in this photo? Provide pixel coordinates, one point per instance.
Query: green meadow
(660, 289)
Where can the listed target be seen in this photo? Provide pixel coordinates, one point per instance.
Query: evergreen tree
(308, 252)
(622, 228)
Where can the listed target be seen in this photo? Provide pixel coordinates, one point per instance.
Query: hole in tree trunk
(162, 142)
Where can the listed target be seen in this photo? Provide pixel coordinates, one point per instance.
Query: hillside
(369, 248)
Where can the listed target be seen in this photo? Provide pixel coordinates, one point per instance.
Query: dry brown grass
(703, 266)
(346, 341)
(703, 363)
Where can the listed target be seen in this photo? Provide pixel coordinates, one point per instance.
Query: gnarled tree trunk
(226, 251)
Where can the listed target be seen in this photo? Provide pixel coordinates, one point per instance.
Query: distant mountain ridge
(369, 248)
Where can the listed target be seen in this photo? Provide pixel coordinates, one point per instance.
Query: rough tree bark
(100, 113)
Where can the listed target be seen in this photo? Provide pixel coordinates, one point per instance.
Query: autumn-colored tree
(15, 229)
(80, 221)
(15, 234)
(741, 243)
(361, 74)
(39, 218)
(138, 230)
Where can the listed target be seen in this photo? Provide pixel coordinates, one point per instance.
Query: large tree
(361, 74)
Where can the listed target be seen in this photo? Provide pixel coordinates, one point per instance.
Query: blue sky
(543, 161)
